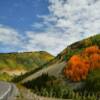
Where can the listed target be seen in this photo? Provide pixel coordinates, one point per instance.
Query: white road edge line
(6, 92)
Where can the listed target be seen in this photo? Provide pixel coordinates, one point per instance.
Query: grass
(26, 60)
(5, 77)
(77, 47)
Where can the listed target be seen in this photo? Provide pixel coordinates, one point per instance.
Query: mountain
(56, 65)
(78, 47)
(72, 74)
(17, 63)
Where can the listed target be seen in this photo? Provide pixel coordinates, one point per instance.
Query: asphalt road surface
(7, 91)
(54, 70)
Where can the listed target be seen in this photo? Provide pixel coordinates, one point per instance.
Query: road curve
(7, 91)
(54, 70)
(5, 88)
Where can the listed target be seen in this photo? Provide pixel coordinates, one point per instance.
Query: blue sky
(48, 25)
(21, 14)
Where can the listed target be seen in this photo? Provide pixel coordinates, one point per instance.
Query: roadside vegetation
(5, 77)
(50, 86)
(18, 79)
(83, 65)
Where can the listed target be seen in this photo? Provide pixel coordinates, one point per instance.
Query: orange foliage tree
(79, 65)
(91, 50)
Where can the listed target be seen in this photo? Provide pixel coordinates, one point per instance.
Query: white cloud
(77, 17)
(44, 41)
(9, 36)
(37, 25)
(69, 21)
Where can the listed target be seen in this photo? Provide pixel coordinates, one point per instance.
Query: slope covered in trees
(81, 64)
(68, 52)
(78, 47)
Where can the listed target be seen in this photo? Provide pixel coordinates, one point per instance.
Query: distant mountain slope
(52, 82)
(75, 48)
(65, 55)
(23, 61)
(78, 47)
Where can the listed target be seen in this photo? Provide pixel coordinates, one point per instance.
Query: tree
(78, 66)
(92, 83)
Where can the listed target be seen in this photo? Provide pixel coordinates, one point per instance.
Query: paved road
(5, 88)
(7, 91)
(54, 70)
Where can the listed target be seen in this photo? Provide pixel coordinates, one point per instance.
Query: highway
(7, 91)
(54, 70)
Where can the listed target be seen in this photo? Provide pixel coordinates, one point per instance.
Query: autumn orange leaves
(79, 66)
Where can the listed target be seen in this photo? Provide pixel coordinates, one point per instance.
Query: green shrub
(49, 86)
(92, 83)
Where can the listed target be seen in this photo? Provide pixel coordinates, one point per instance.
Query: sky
(46, 25)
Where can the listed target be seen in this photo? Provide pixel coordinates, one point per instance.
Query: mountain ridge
(72, 49)
(24, 61)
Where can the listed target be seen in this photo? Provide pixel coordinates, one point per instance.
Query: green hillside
(65, 55)
(77, 47)
(49, 82)
(25, 61)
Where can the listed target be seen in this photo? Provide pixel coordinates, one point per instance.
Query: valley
(70, 75)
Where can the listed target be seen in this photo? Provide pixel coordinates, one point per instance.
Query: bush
(79, 65)
(49, 86)
(92, 83)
